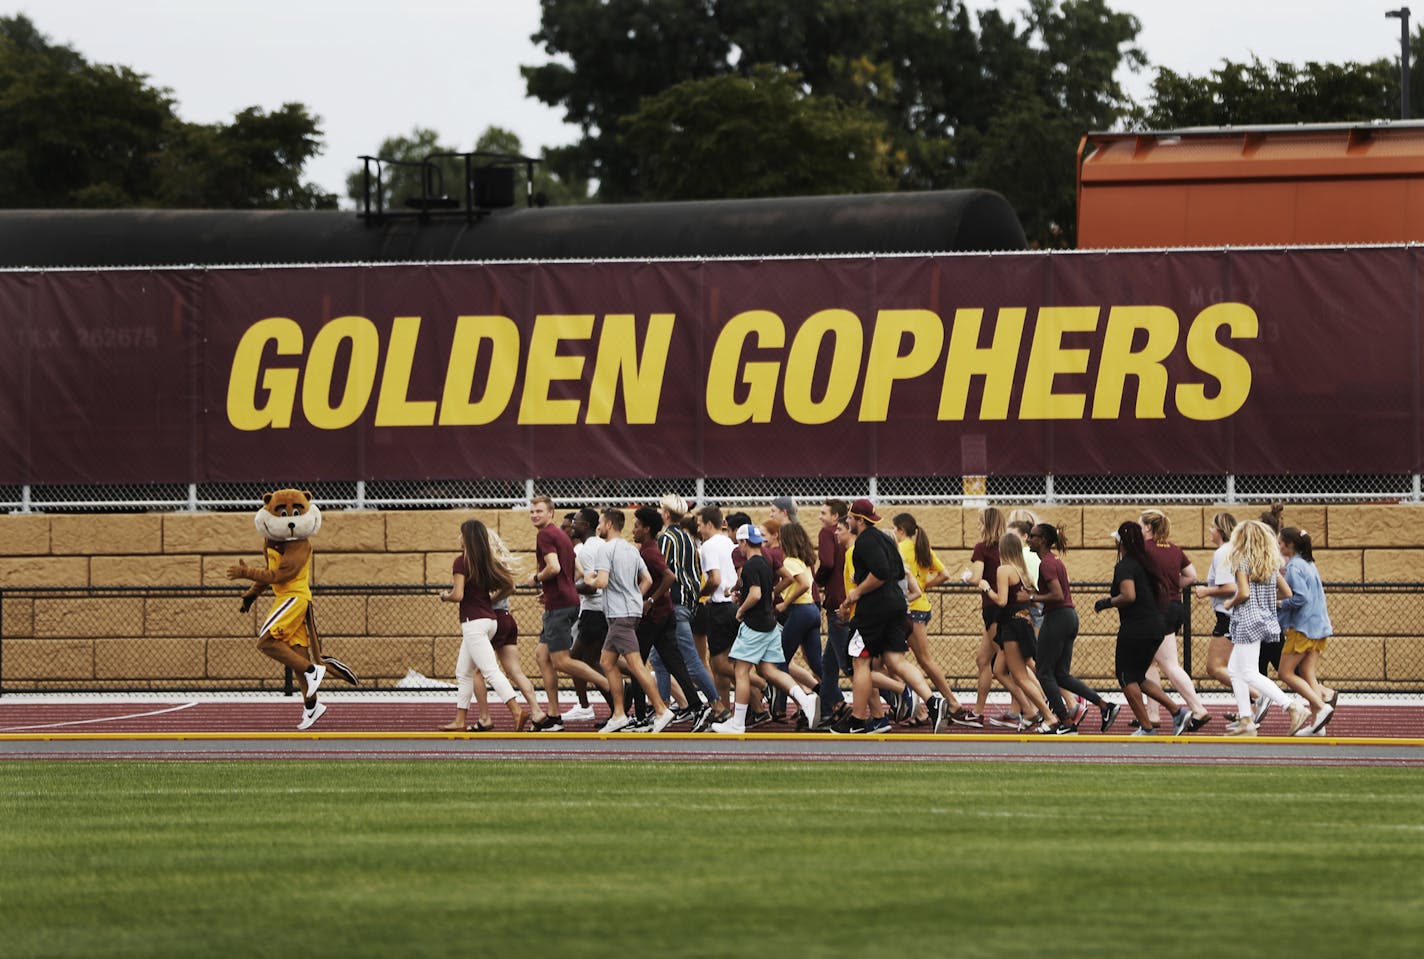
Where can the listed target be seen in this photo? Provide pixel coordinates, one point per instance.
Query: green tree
(75, 134)
(756, 136)
(1275, 92)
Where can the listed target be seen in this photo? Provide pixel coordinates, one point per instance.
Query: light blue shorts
(756, 647)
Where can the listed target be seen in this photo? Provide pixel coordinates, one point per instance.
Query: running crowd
(697, 620)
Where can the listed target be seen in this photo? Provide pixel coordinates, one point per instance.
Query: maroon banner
(1198, 362)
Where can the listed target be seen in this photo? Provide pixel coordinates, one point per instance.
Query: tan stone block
(1403, 658)
(1306, 516)
(48, 659)
(516, 530)
(230, 659)
(438, 571)
(1340, 565)
(359, 569)
(146, 570)
(1101, 521)
(212, 533)
(1093, 658)
(955, 655)
(1348, 657)
(1375, 614)
(1368, 525)
(89, 616)
(149, 658)
(215, 567)
(101, 534)
(342, 614)
(351, 531)
(944, 525)
(1089, 566)
(17, 617)
(44, 571)
(1393, 565)
(24, 534)
(419, 615)
(388, 657)
(411, 531)
(197, 616)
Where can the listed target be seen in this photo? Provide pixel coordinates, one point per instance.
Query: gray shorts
(622, 635)
(557, 632)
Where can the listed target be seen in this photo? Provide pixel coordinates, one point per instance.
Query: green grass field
(585, 859)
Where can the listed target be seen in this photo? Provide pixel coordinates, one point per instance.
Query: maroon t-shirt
(475, 604)
(1051, 568)
(1169, 561)
(657, 565)
(559, 592)
(988, 554)
(830, 571)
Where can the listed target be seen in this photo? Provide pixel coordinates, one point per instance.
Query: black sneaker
(702, 720)
(937, 711)
(892, 700)
(550, 724)
(848, 724)
(1065, 729)
(802, 724)
(682, 716)
(758, 719)
(1109, 711)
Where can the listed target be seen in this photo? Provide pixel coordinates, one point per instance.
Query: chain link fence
(972, 490)
(403, 639)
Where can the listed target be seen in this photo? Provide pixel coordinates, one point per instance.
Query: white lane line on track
(101, 719)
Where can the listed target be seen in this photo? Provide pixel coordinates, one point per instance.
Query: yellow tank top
(298, 585)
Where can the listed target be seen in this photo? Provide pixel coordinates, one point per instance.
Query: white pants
(1244, 669)
(476, 652)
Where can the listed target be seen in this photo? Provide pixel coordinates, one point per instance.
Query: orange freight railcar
(1253, 186)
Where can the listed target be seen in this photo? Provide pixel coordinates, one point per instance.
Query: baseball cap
(750, 533)
(865, 510)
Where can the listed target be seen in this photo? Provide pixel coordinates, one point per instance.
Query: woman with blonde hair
(478, 574)
(1175, 571)
(1305, 625)
(1256, 562)
(1015, 631)
(984, 567)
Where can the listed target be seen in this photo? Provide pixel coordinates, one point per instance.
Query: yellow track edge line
(1184, 741)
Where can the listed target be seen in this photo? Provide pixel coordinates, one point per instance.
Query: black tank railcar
(939, 221)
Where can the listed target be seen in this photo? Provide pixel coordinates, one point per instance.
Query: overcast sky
(371, 70)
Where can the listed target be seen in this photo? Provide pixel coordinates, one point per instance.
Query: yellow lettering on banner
(996, 363)
(1207, 354)
(456, 407)
(280, 385)
(847, 346)
(888, 364)
(544, 365)
(1047, 358)
(722, 373)
(1119, 361)
(618, 363)
(321, 372)
(394, 407)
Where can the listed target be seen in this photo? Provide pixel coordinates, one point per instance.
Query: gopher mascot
(288, 519)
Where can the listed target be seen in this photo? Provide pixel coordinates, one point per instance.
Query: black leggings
(1055, 656)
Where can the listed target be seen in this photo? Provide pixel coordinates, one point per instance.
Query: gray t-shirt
(587, 554)
(622, 597)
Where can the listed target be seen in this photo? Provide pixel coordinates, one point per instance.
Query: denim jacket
(1305, 610)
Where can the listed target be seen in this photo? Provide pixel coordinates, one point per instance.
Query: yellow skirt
(1298, 642)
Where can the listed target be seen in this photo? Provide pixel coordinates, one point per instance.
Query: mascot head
(288, 515)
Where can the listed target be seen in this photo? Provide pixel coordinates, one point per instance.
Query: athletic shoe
(1109, 711)
(1006, 720)
(1181, 719)
(877, 724)
(1143, 731)
(703, 719)
(1242, 727)
(1322, 719)
(758, 719)
(341, 669)
(580, 714)
(1299, 718)
(1064, 729)
(549, 724)
(848, 725)
(967, 717)
(616, 724)
(908, 705)
(1196, 723)
(662, 720)
(937, 710)
(310, 716)
(1079, 712)
(803, 725)
(640, 724)
(1263, 706)
(681, 717)
(314, 674)
(728, 728)
(813, 708)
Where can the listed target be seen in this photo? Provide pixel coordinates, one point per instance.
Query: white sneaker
(1319, 725)
(730, 727)
(1263, 706)
(314, 679)
(615, 724)
(661, 720)
(1299, 719)
(581, 714)
(310, 716)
